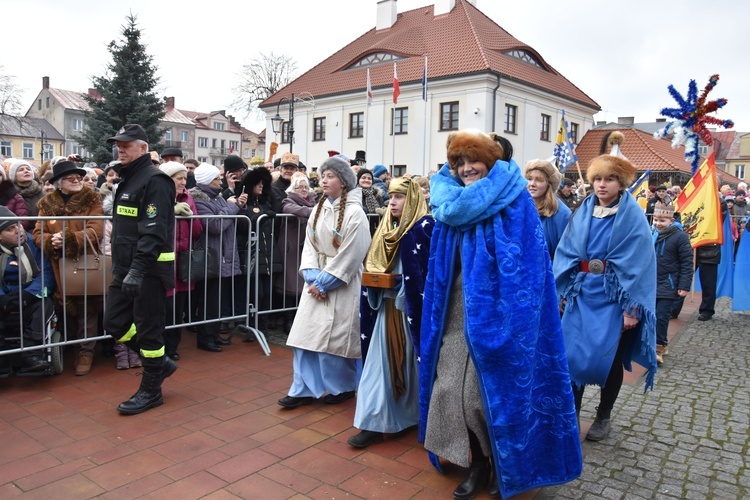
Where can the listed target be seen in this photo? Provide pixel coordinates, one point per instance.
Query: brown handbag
(88, 274)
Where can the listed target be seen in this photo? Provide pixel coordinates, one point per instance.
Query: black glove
(269, 213)
(131, 285)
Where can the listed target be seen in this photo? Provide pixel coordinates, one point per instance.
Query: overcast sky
(622, 54)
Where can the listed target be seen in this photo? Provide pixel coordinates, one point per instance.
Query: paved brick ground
(221, 434)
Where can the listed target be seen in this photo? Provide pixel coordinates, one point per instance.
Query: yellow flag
(700, 208)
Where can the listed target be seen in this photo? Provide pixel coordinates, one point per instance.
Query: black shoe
(149, 393)
(493, 490)
(365, 439)
(704, 317)
(292, 402)
(599, 429)
(338, 398)
(224, 327)
(209, 346)
(222, 341)
(674, 315)
(477, 480)
(35, 364)
(175, 356)
(168, 367)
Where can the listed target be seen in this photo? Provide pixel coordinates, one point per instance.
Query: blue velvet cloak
(741, 290)
(512, 325)
(554, 226)
(629, 279)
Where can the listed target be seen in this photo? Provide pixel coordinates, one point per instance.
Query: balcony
(173, 144)
(219, 152)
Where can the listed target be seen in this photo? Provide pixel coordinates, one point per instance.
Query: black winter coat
(674, 263)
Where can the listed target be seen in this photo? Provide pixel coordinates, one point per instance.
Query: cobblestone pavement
(689, 437)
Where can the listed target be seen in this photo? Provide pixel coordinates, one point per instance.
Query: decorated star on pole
(691, 119)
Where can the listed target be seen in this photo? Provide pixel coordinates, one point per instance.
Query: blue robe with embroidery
(512, 325)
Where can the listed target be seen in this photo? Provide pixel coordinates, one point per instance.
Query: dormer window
(524, 56)
(375, 59)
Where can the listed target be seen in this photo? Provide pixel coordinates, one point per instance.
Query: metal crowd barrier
(57, 334)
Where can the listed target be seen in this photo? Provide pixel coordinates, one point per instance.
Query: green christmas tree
(127, 96)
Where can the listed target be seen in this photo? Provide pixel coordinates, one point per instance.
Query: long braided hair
(339, 222)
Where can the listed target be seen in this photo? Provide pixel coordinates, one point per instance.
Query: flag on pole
(369, 88)
(639, 190)
(564, 148)
(396, 89)
(699, 206)
(424, 81)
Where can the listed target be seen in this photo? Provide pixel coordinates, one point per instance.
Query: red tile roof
(643, 151)
(463, 41)
(174, 115)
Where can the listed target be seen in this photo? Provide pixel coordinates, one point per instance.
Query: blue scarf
(512, 325)
(630, 278)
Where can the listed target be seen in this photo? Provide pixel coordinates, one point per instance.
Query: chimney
(94, 94)
(625, 120)
(169, 102)
(45, 82)
(387, 14)
(661, 120)
(444, 6)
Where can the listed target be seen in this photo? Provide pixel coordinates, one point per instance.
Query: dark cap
(233, 163)
(568, 182)
(5, 212)
(171, 152)
(660, 188)
(740, 193)
(130, 132)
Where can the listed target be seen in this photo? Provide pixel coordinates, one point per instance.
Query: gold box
(379, 280)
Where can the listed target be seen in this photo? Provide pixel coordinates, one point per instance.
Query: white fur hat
(205, 173)
(172, 167)
(14, 168)
(342, 169)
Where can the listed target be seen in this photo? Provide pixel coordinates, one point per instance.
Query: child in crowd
(674, 270)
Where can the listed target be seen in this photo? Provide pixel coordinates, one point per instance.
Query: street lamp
(277, 121)
(43, 137)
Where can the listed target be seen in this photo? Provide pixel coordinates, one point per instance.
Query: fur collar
(197, 194)
(79, 203)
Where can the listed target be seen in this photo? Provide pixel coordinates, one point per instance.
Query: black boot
(149, 393)
(477, 480)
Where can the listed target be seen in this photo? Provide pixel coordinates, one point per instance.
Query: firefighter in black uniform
(142, 264)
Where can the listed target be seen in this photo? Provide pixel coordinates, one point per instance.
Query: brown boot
(659, 353)
(83, 363)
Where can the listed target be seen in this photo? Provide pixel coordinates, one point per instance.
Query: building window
(6, 149)
(39, 104)
(184, 136)
(319, 126)
(49, 151)
(78, 150)
(524, 56)
(214, 143)
(202, 159)
(28, 149)
(400, 121)
(202, 142)
(398, 170)
(168, 135)
(703, 149)
(449, 116)
(234, 147)
(739, 171)
(510, 118)
(218, 125)
(375, 59)
(253, 153)
(47, 102)
(285, 133)
(246, 153)
(574, 132)
(544, 132)
(356, 125)
(77, 124)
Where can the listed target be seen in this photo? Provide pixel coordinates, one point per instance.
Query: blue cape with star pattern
(414, 251)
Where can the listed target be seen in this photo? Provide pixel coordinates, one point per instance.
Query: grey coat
(221, 233)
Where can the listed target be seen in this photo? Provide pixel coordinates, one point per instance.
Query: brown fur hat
(473, 144)
(550, 172)
(605, 165)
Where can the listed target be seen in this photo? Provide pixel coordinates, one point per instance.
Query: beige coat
(332, 325)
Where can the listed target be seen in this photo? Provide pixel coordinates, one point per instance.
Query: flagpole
(425, 167)
(393, 135)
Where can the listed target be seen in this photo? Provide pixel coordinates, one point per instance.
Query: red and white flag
(396, 89)
(369, 88)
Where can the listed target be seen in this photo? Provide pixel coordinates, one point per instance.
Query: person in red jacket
(186, 231)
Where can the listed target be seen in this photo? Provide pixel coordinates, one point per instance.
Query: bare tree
(10, 94)
(263, 77)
